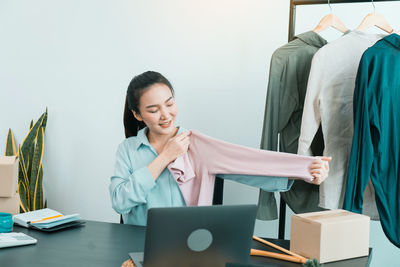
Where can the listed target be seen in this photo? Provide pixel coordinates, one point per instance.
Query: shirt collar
(312, 38)
(393, 39)
(373, 37)
(143, 140)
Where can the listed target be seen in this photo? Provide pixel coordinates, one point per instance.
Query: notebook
(46, 220)
(197, 236)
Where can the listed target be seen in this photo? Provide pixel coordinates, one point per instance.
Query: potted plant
(30, 175)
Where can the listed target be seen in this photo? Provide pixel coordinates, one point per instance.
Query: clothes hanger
(374, 19)
(330, 20)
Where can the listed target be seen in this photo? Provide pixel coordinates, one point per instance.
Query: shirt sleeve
(129, 188)
(289, 98)
(311, 117)
(362, 150)
(221, 157)
(266, 183)
(279, 74)
(269, 137)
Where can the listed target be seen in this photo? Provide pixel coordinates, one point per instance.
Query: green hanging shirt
(289, 71)
(375, 149)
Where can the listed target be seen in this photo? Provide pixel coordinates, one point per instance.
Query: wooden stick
(256, 252)
(265, 242)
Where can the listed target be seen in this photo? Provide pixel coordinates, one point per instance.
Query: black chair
(217, 197)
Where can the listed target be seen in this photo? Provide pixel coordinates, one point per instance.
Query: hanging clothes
(289, 70)
(207, 157)
(329, 102)
(375, 150)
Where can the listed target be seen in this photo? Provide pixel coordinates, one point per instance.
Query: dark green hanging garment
(287, 85)
(375, 150)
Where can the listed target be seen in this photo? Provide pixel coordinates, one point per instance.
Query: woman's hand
(319, 169)
(128, 263)
(176, 146)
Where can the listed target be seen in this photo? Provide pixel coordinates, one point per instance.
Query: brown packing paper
(10, 204)
(8, 176)
(330, 235)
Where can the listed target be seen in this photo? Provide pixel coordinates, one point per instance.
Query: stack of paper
(45, 219)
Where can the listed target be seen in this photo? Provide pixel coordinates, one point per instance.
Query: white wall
(77, 58)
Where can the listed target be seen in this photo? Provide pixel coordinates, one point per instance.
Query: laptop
(197, 236)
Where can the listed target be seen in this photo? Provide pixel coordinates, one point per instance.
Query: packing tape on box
(329, 216)
(6, 222)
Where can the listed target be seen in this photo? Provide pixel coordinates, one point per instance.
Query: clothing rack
(292, 26)
(294, 3)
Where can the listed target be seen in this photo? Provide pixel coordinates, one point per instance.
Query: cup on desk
(6, 222)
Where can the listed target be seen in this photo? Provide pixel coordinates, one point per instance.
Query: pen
(44, 219)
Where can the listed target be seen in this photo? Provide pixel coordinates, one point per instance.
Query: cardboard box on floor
(10, 204)
(331, 235)
(8, 176)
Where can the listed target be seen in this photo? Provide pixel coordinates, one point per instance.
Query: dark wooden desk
(104, 244)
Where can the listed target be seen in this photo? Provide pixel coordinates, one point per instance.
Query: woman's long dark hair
(136, 88)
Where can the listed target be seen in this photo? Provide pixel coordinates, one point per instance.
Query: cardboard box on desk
(10, 204)
(331, 235)
(8, 176)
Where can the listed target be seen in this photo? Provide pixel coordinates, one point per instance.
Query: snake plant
(30, 154)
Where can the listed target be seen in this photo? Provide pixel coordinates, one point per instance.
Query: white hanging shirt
(329, 102)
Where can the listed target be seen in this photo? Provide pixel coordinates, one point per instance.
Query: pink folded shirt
(195, 171)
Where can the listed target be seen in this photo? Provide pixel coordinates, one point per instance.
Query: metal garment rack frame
(292, 26)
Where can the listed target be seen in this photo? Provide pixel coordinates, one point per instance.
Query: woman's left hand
(319, 169)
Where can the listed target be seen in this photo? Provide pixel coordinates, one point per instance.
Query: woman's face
(158, 109)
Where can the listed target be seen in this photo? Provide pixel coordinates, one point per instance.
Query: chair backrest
(218, 196)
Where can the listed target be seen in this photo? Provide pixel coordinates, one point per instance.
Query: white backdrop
(77, 58)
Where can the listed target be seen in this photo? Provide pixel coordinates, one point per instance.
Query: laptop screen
(199, 236)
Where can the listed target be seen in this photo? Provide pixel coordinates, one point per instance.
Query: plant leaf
(39, 201)
(10, 144)
(31, 148)
(30, 156)
(23, 200)
(29, 139)
(23, 174)
(44, 123)
(36, 165)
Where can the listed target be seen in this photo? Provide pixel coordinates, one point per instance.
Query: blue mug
(6, 222)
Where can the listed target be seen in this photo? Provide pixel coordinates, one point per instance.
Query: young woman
(142, 179)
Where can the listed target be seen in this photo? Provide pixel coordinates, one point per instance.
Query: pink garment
(195, 171)
(182, 169)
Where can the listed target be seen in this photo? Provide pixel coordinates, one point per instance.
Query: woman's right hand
(176, 146)
(128, 263)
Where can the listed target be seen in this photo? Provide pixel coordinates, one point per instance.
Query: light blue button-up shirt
(133, 190)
